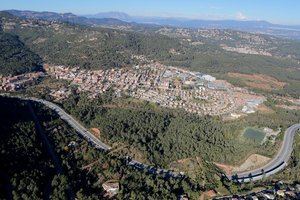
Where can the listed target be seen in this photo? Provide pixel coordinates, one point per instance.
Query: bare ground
(252, 162)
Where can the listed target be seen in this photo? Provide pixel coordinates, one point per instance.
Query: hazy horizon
(154, 16)
(254, 10)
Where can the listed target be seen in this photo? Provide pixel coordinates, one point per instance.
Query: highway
(279, 162)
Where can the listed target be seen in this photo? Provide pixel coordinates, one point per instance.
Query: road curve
(279, 162)
(275, 165)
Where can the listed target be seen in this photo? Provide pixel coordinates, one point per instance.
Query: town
(167, 86)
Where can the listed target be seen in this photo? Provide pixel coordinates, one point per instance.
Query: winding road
(275, 165)
(279, 162)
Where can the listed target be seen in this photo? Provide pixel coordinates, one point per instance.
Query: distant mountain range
(123, 19)
(249, 26)
(191, 23)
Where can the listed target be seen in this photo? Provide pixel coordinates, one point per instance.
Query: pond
(254, 134)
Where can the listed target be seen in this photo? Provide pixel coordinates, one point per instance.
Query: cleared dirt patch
(39, 40)
(252, 162)
(208, 195)
(96, 132)
(226, 168)
(258, 81)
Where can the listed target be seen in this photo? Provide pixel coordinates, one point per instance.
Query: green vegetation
(178, 140)
(86, 47)
(27, 172)
(162, 135)
(165, 135)
(15, 57)
(276, 118)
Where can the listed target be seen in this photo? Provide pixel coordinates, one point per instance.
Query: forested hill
(87, 47)
(15, 57)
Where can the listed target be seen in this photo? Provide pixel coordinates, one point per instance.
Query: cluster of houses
(201, 100)
(15, 83)
(167, 86)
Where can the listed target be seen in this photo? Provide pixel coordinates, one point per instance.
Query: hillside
(65, 44)
(15, 57)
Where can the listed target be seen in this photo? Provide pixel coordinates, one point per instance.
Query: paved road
(276, 164)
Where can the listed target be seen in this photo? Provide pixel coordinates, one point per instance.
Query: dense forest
(15, 57)
(26, 170)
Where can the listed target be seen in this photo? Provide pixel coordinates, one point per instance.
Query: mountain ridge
(124, 16)
(257, 26)
(143, 22)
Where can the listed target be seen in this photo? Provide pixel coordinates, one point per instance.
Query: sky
(275, 11)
